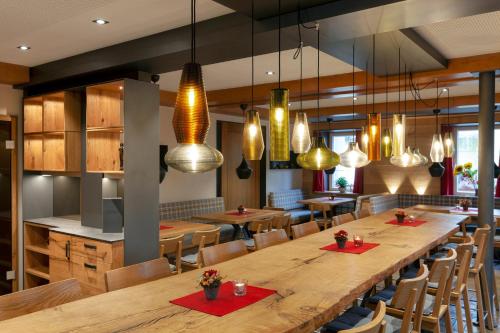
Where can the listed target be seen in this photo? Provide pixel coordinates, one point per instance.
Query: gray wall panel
(66, 195)
(38, 196)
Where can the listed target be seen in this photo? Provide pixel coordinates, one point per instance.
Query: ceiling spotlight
(23, 47)
(100, 21)
(269, 73)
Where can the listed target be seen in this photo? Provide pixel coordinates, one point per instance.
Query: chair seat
(190, 258)
(385, 295)
(173, 268)
(358, 316)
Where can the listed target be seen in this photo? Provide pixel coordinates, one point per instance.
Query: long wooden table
(181, 227)
(312, 285)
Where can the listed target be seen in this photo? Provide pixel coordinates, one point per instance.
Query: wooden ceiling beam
(13, 74)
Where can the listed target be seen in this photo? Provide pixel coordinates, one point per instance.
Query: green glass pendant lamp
(191, 119)
(449, 145)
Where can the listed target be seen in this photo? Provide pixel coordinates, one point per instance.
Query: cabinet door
(60, 256)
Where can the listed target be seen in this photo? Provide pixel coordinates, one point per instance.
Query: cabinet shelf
(37, 249)
(39, 271)
(105, 129)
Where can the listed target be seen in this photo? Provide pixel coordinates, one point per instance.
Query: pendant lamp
(437, 148)
(253, 141)
(449, 145)
(191, 121)
(405, 160)
(278, 112)
(418, 158)
(353, 157)
(301, 140)
(332, 170)
(243, 171)
(319, 157)
(374, 119)
(398, 122)
(386, 135)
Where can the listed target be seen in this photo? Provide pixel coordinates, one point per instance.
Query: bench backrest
(184, 210)
(286, 199)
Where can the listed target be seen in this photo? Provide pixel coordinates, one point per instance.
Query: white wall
(10, 100)
(179, 186)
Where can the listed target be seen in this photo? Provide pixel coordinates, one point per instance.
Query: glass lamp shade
(253, 141)
(301, 140)
(191, 121)
(365, 140)
(437, 149)
(398, 134)
(374, 129)
(279, 126)
(405, 160)
(353, 157)
(194, 158)
(319, 157)
(449, 145)
(387, 143)
(418, 158)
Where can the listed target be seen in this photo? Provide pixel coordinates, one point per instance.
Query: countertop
(71, 225)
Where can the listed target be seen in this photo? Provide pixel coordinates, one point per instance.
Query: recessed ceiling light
(23, 47)
(100, 21)
(270, 73)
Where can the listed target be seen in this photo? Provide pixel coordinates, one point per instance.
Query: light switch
(10, 144)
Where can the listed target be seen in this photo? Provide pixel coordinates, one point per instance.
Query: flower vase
(342, 189)
(341, 244)
(211, 292)
(465, 208)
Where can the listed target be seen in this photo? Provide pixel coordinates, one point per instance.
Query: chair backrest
(440, 264)
(222, 252)
(481, 236)
(343, 218)
(281, 221)
(376, 325)
(39, 298)
(364, 212)
(286, 199)
(136, 274)
(464, 253)
(304, 229)
(267, 239)
(206, 237)
(468, 244)
(410, 294)
(172, 246)
(442, 272)
(260, 226)
(318, 208)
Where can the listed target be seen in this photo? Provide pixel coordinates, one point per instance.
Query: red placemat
(165, 227)
(407, 223)
(460, 210)
(236, 213)
(225, 302)
(350, 248)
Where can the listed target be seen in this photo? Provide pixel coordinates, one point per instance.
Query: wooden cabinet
(84, 259)
(36, 255)
(52, 139)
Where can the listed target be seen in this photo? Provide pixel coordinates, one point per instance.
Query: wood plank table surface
(181, 227)
(231, 217)
(312, 285)
(326, 201)
(339, 194)
(453, 210)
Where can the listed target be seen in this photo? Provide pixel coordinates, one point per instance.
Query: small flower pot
(400, 218)
(465, 208)
(211, 292)
(341, 244)
(342, 189)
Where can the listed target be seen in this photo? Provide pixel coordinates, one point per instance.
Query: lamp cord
(415, 129)
(405, 88)
(386, 100)
(399, 81)
(193, 31)
(317, 101)
(373, 78)
(448, 91)
(437, 104)
(252, 52)
(366, 90)
(353, 68)
(279, 43)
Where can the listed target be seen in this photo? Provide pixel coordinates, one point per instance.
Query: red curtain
(447, 179)
(497, 192)
(358, 173)
(318, 181)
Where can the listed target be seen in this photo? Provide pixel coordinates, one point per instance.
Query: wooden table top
(338, 194)
(453, 210)
(312, 285)
(232, 217)
(181, 227)
(326, 201)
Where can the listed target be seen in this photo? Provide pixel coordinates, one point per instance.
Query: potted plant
(211, 281)
(341, 238)
(465, 204)
(400, 215)
(241, 209)
(467, 174)
(341, 184)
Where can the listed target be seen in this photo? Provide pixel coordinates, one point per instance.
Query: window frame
(333, 133)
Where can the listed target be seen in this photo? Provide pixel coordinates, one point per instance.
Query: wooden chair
(39, 298)
(133, 275)
(344, 218)
(257, 227)
(267, 239)
(324, 221)
(304, 229)
(376, 325)
(222, 252)
(172, 246)
(282, 222)
(200, 240)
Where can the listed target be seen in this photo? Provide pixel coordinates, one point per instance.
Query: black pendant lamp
(243, 170)
(332, 170)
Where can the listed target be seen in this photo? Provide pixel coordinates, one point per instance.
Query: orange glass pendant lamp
(374, 127)
(253, 141)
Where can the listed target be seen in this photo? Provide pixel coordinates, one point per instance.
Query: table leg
(236, 232)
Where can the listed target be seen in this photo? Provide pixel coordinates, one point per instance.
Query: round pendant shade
(387, 143)
(194, 158)
(330, 171)
(374, 129)
(301, 140)
(405, 160)
(279, 126)
(418, 158)
(437, 149)
(398, 134)
(436, 169)
(319, 157)
(449, 145)
(253, 141)
(353, 157)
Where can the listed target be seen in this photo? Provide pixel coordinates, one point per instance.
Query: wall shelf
(36, 255)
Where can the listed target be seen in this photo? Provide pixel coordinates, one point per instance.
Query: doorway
(247, 192)
(8, 205)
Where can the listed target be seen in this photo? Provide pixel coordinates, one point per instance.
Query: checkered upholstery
(407, 200)
(186, 209)
(383, 203)
(286, 199)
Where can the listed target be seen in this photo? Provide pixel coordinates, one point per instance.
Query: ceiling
(59, 29)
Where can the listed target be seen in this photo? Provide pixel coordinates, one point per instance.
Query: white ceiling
(56, 29)
(468, 36)
(237, 73)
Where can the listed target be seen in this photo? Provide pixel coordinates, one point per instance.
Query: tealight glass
(411, 218)
(357, 240)
(240, 287)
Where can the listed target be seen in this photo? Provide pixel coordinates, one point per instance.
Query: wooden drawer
(90, 271)
(92, 249)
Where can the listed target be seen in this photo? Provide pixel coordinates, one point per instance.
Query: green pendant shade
(301, 140)
(319, 157)
(387, 143)
(279, 126)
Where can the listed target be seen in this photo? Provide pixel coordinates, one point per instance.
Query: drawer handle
(89, 246)
(67, 248)
(89, 266)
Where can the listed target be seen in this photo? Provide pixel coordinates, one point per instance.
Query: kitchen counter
(71, 225)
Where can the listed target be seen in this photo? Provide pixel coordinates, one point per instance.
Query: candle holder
(358, 240)
(411, 218)
(240, 287)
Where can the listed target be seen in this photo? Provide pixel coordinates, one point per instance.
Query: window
(339, 143)
(467, 142)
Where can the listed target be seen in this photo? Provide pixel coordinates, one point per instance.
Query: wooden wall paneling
(104, 108)
(53, 113)
(103, 151)
(54, 150)
(33, 115)
(33, 152)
